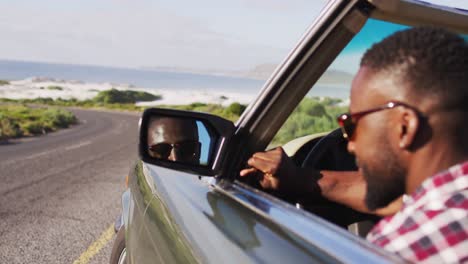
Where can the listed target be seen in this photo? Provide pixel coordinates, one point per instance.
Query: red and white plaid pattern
(432, 226)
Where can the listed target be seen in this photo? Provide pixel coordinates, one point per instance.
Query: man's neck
(428, 162)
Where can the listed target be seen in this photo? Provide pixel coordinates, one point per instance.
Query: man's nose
(172, 156)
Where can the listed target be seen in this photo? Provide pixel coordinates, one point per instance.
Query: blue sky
(372, 32)
(203, 34)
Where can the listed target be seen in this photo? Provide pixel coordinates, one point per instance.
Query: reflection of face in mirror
(174, 139)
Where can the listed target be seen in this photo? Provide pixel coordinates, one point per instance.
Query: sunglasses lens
(161, 150)
(187, 150)
(184, 151)
(347, 125)
(349, 128)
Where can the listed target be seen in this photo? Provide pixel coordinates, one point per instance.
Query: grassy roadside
(109, 99)
(231, 112)
(29, 117)
(20, 120)
(312, 115)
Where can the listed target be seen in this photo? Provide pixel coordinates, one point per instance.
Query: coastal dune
(42, 87)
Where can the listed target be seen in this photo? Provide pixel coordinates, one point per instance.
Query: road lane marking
(96, 246)
(37, 155)
(78, 145)
(10, 161)
(47, 152)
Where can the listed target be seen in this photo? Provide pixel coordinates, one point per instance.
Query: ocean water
(18, 70)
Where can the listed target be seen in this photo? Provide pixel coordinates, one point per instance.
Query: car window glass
(329, 97)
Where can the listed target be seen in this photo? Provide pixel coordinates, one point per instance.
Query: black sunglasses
(348, 121)
(185, 150)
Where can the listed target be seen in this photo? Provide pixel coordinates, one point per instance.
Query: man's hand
(276, 171)
(268, 167)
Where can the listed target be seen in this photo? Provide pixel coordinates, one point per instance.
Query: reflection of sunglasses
(349, 121)
(184, 150)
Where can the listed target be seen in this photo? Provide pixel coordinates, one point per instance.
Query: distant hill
(213, 72)
(336, 77)
(259, 72)
(263, 71)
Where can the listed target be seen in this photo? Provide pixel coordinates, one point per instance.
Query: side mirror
(183, 140)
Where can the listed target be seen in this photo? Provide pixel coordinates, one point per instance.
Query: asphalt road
(60, 192)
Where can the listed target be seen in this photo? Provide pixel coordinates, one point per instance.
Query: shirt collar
(442, 182)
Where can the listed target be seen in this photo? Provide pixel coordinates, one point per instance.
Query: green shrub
(44, 100)
(104, 101)
(214, 109)
(4, 82)
(30, 128)
(312, 115)
(8, 128)
(55, 87)
(235, 109)
(20, 120)
(114, 96)
(312, 108)
(58, 118)
(197, 105)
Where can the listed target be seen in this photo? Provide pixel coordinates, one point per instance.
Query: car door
(186, 218)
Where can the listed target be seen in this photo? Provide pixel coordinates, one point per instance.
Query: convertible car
(196, 209)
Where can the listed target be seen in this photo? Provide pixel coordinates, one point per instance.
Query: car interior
(329, 153)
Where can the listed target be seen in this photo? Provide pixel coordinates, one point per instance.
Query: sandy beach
(36, 87)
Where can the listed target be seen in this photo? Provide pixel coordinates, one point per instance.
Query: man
(174, 139)
(408, 128)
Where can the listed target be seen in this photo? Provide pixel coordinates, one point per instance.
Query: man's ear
(409, 125)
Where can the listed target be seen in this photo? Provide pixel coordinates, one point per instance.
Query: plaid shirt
(432, 226)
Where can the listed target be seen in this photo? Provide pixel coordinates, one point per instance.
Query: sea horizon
(13, 70)
(146, 78)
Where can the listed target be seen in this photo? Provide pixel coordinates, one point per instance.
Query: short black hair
(432, 61)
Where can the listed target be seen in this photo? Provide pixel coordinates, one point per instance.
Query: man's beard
(385, 181)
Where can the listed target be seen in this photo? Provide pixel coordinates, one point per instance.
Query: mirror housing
(164, 132)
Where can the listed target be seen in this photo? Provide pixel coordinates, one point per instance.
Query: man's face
(373, 141)
(174, 139)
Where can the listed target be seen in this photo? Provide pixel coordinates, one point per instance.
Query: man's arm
(349, 188)
(276, 171)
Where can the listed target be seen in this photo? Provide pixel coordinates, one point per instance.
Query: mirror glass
(178, 139)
